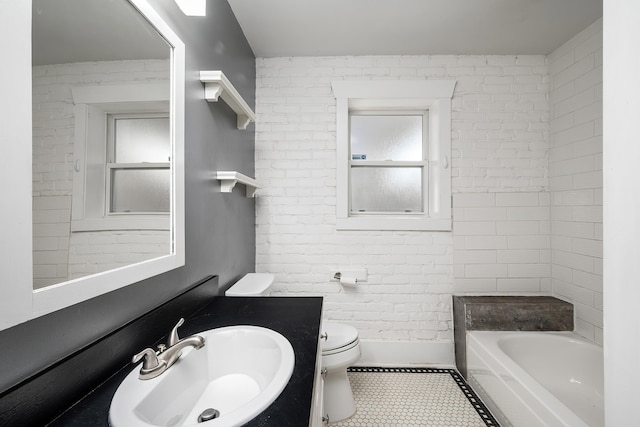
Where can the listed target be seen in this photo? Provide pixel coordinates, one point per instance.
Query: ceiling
(411, 27)
(66, 31)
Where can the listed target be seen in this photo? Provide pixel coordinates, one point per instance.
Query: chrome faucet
(155, 363)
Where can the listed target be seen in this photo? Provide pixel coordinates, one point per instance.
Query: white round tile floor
(409, 399)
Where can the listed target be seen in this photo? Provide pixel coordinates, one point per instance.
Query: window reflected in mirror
(139, 151)
(101, 139)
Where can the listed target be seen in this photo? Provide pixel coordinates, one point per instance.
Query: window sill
(132, 222)
(394, 223)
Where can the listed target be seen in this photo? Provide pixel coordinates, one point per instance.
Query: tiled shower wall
(501, 242)
(575, 98)
(59, 254)
(500, 239)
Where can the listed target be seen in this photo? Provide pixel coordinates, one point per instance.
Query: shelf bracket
(216, 86)
(229, 179)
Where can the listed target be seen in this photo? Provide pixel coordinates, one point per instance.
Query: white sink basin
(239, 372)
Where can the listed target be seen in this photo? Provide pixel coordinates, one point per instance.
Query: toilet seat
(341, 349)
(340, 338)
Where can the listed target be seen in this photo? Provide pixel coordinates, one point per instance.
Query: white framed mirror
(100, 203)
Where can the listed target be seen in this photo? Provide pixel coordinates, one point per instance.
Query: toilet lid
(252, 284)
(338, 335)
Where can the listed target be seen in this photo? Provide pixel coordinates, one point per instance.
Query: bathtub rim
(497, 361)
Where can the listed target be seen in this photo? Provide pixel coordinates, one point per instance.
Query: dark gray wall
(220, 228)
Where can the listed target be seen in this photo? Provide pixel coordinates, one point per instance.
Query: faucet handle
(173, 336)
(151, 365)
(150, 359)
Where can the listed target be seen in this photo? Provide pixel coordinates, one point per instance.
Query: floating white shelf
(216, 85)
(228, 180)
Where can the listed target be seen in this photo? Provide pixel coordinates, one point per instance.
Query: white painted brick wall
(500, 150)
(575, 96)
(53, 133)
(97, 251)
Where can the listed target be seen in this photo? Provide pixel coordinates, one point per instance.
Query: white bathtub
(533, 379)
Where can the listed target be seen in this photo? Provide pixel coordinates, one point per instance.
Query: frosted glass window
(140, 190)
(142, 140)
(393, 145)
(386, 189)
(387, 137)
(139, 174)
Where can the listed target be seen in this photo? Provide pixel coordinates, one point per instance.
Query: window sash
(112, 118)
(424, 114)
(112, 166)
(424, 177)
(422, 164)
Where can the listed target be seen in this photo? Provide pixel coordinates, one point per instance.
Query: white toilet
(340, 349)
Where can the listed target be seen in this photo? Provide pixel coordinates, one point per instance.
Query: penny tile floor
(414, 397)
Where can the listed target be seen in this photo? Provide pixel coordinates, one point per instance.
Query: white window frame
(113, 166)
(402, 96)
(92, 106)
(401, 164)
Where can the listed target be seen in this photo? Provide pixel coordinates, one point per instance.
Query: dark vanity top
(296, 318)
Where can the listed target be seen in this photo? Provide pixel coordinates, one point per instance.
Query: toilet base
(338, 397)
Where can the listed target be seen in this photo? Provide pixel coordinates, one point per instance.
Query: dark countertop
(296, 318)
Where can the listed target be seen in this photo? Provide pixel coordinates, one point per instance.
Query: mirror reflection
(101, 139)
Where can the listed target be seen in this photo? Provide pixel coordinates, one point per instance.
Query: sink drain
(208, 414)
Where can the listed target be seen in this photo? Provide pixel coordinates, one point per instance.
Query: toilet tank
(251, 285)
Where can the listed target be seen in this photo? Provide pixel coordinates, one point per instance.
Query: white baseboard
(404, 353)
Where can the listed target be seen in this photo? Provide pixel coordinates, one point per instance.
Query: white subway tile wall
(501, 242)
(575, 162)
(527, 204)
